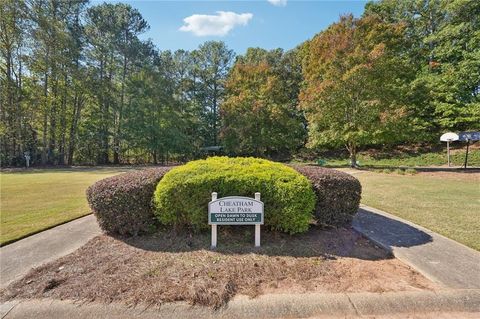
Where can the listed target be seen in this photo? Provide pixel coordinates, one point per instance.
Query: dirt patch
(168, 267)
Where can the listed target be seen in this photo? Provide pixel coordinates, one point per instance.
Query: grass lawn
(447, 203)
(41, 198)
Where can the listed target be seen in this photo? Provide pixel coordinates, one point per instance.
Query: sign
(235, 210)
(449, 137)
(469, 136)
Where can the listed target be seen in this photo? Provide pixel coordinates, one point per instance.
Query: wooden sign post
(235, 210)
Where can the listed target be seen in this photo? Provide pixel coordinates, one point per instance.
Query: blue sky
(262, 23)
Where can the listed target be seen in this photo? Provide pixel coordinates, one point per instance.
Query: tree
(113, 31)
(354, 84)
(442, 41)
(259, 114)
(130, 25)
(453, 76)
(13, 23)
(212, 62)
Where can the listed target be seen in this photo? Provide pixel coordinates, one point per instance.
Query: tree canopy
(78, 85)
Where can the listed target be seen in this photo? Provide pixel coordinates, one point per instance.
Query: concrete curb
(265, 306)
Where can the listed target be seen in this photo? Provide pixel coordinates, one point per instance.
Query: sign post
(257, 226)
(448, 137)
(468, 137)
(235, 210)
(214, 226)
(27, 158)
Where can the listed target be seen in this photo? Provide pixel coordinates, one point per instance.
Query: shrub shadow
(389, 232)
(327, 243)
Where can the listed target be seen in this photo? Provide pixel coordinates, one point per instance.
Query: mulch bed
(167, 267)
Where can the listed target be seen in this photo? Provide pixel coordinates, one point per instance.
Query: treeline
(78, 86)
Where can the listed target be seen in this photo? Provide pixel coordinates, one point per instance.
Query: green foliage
(442, 41)
(80, 86)
(338, 194)
(411, 171)
(408, 159)
(122, 204)
(354, 84)
(259, 115)
(182, 196)
(212, 62)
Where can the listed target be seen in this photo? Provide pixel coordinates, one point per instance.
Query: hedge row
(123, 203)
(182, 196)
(338, 194)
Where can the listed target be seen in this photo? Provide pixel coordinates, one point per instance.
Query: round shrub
(182, 196)
(123, 203)
(338, 194)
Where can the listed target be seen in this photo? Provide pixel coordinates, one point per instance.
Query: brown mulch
(168, 267)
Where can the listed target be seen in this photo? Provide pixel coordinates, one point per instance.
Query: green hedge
(338, 194)
(123, 203)
(182, 196)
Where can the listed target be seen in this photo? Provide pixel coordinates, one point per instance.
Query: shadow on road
(388, 231)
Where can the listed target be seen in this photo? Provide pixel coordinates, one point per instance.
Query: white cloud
(219, 24)
(278, 3)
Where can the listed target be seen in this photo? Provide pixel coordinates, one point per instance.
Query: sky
(240, 24)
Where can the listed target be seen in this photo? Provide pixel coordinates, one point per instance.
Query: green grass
(38, 199)
(446, 203)
(457, 158)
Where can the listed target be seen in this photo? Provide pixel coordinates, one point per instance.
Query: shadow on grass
(238, 240)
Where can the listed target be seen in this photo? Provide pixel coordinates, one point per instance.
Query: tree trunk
(215, 114)
(77, 107)
(63, 123)
(103, 159)
(52, 144)
(116, 142)
(352, 149)
(45, 120)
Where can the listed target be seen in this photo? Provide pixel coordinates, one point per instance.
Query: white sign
(449, 137)
(235, 210)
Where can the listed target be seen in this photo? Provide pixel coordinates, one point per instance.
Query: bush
(182, 196)
(338, 194)
(411, 171)
(123, 203)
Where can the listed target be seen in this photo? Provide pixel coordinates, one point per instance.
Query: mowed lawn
(447, 203)
(41, 198)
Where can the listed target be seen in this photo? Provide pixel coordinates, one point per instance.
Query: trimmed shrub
(122, 204)
(338, 194)
(182, 196)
